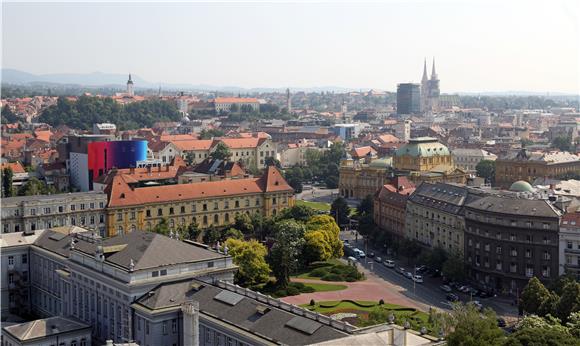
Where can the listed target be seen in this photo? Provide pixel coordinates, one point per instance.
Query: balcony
(573, 251)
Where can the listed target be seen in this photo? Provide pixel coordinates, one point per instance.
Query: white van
(389, 264)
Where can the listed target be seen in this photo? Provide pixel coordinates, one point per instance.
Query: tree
(221, 152)
(294, 178)
(272, 161)
(534, 330)
(243, 222)
(574, 324)
(454, 268)
(232, 233)
(486, 169)
(192, 231)
(211, 236)
(7, 188)
(331, 182)
(328, 227)
(35, 187)
(297, 212)
(472, 328)
(533, 296)
(8, 116)
(249, 256)
(562, 143)
(211, 133)
(162, 227)
(569, 301)
(339, 209)
(366, 226)
(190, 158)
(316, 247)
(366, 206)
(286, 250)
(234, 108)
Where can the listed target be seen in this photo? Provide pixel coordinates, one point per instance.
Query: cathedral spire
(425, 70)
(433, 73)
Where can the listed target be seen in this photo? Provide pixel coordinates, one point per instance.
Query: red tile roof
(363, 151)
(235, 100)
(15, 166)
(196, 144)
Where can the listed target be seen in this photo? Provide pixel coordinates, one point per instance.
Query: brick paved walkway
(371, 289)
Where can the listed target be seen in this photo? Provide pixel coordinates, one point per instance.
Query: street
(428, 292)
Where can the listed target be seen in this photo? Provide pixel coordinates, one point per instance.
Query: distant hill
(100, 79)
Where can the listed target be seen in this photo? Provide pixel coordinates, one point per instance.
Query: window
(92, 219)
(82, 206)
(528, 253)
(513, 267)
(205, 219)
(33, 211)
(119, 217)
(147, 327)
(163, 272)
(101, 205)
(546, 271)
(164, 328)
(24, 259)
(182, 210)
(101, 218)
(547, 255)
(513, 252)
(226, 204)
(247, 202)
(512, 237)
(155, 273)
(216, 218)
(148, 213)
(215, 206)
(529, 270)
(83, 342)
(569, 245)
(274, 200)
(204, 207)
(10, 260)
(498, 265)
(193, 208)
(237, 204)
(174, 326)
(227, 217)
(159, 212)
(133, 215)
(210, 264)
(47, 210)
(498, 249)
(546, 225)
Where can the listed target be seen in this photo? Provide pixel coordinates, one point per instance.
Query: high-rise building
(288, 101)
(430, 90)
(408, 98)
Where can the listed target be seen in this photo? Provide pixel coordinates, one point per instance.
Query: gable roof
(46, 327)
(16, 167)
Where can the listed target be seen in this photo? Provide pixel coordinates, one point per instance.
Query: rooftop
(509, 205)
(37, 329)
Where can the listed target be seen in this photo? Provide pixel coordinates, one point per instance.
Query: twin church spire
(433, 73)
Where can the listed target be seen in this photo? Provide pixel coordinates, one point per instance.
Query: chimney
(190, 323)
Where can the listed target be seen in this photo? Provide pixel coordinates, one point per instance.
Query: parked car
(418, 279)
(378, 259)
(408, 275)
(420, 268)
(501, 322)
(352, 259)
(389, 264)
(445, 288)
(401, 270)
(484, 294)
(464, 288)
(452, 297)
(361, 254)
(372, 254)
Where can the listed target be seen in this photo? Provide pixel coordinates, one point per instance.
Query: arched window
(133, 228)
(205, 219)
(216, 218)
(227, 217)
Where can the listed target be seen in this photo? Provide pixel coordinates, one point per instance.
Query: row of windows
(528, 238)
(512, 267)
(528, 253)
(61, 208)
(81, 221)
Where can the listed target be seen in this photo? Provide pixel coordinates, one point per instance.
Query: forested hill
(87, 111)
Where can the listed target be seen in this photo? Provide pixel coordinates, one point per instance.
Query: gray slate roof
(446, 197)
(513, 205)
(244, 314)
(44, 327)
(146, 249)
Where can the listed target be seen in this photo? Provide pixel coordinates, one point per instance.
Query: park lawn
(346, 305)
(314, 205)
(328, 263)
(325, 287)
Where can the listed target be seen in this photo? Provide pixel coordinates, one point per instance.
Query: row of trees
(87, 110)
(324, 165)
(32, 187)
(561, 300)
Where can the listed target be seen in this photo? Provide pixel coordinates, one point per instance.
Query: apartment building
(390, 205)
(569, 246)
(29, 213)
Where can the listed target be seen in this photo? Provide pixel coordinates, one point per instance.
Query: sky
(479, 45)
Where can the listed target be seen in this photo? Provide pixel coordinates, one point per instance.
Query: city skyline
(345, 45)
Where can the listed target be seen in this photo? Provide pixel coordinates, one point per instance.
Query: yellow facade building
(207, 204)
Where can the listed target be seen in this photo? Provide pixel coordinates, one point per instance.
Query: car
(361, 254)
(372, 254)
(445, 288)
(346, 241)
(464, 288)
(476, 304)
(418, 279)
(452, 297)
(501, 322)
(408, 275)
(435, 273)
(483, 294)
(378, 259)
(473, 291)
(389, 264)
(352, 259)
(420, 268)
(401, 270)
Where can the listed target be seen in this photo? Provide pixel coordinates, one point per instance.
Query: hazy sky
(478, 45)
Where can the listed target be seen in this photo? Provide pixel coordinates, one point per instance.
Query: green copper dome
(423, 147)
(521, 186)
(385, 162)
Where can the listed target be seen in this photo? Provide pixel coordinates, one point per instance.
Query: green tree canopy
(7, 177)
(249, 256)
(285, 253)
(562, 143)
(211, 133)
(244, 223)
(331, 232)
(35, 187)
(537, 331)
(569, 301)
(472, 328)
(340, 210)
(297, 212)
(221, 152)
(533, 296)
(8, 116)
(486, 169)
(454, 268)
(366, 206)
(316, 247)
